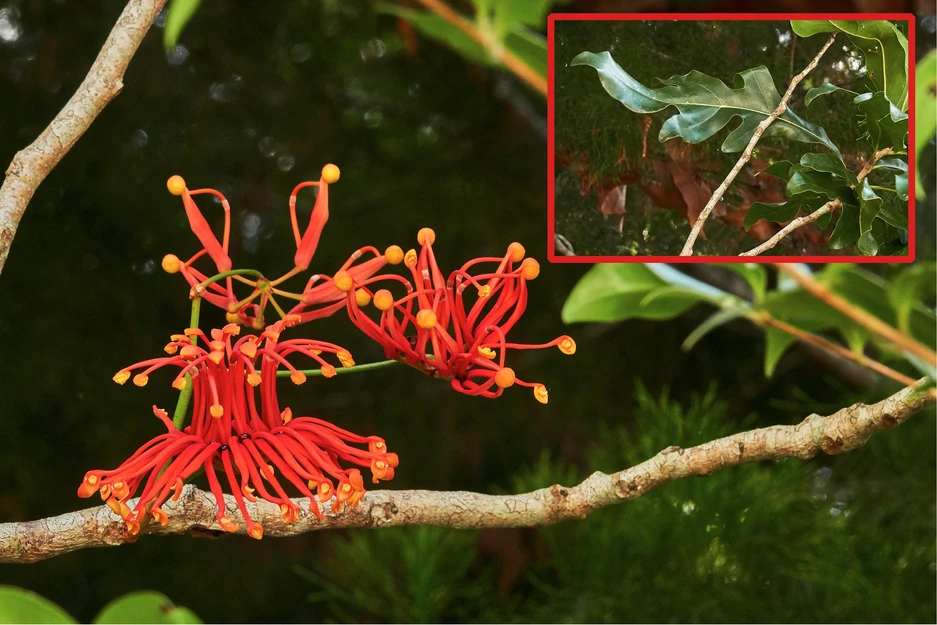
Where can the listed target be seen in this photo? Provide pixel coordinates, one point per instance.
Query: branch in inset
(104, 81)
(195, 511)
(747, 154)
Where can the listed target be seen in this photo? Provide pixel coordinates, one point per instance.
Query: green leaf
(780, 169)
(886, 125)
(909, 288)
(829, 164)
(846, 231)
(901, 187)
(895, 211)
(776, 344)
(869, 291)
(816, 183)
(616, 292)
(706, 104)
(145, 607)
(180, 12)
(511, 13)
(884, 47)
(530, 47)
(783, 211)
(891, 164)
(18, 605)
(437, 28)
(822, 90)
(755, 275)
(869, 206)
(925, 110)
(719, 318)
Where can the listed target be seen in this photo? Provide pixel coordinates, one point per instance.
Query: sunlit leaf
(718, 318)
(925, 111)
(706, 104)
(18, 605)
(435, 27)
(884, 47)
(754, 274)
(180, 12)
(145, 607)
(915, 284)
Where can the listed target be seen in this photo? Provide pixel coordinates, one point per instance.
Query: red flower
(436, 328)
(249, 311)
(246, 441)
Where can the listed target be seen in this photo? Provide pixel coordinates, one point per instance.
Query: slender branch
(829, 207)
(195, 510)
(860, 316)
(31, 165)
(521, 69)
(747, 154)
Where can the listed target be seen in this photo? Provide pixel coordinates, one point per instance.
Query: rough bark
(31, 165)
(195, 512)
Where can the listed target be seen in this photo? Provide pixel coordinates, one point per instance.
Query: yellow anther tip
(517, 252)
(343, 281)
(487, 352)
(121, 377)
(567, 345)
(409, 258)
(383, 300)
(540, 393)
(530, 269)
(298, 377)
(176, 185)
(140, 379)
(426, 236)
(484, 291)
(232, 317)
(504, 377)
(179, 384)
(362, 298)
(393, 255)
(328, 371)
(426, 319)
(216, 410)
(171, 263)
(330, 173)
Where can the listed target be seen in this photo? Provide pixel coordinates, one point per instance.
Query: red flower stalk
(230, 432)
(435, 328)
(249, 311)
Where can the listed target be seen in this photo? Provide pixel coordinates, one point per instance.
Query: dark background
(255, 100)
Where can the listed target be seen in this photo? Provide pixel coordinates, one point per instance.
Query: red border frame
(551, 251)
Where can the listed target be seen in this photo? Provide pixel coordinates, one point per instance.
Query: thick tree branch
(195, 510)
(104, 81)
(747, 154)
(829, 207)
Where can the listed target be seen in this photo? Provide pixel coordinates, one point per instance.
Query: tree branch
(195, 511)
(747, 154)
(829, 207)
(860, 316)
(104, 81)
(520, 69)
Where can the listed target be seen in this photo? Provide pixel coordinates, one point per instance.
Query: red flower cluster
(249, 311)
(440, 330)
(231, 432)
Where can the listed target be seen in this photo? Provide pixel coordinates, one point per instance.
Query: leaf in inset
(782, 212)
(829, 164)
(706, 104)
(885, 49)
(869, 206)
(886, 125)
(817, 183)
(846, 231)
(816, 92)
(780, 169)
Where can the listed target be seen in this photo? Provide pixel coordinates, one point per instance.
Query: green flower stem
(185, 395)
(356, 369)
(234, 272)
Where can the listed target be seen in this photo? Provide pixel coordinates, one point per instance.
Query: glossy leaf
(718, 318)
(754, 274)
(706, 104)
(886, 125)
(909, 288)
(145, 607)
(869, 206)
(180, 13)
(884, 47)
(891, 164)
(901, 186)
(18, 605)
(894, 210)
(829, 164)
(925, 111)
(616, 292)
(783, 212)
(817, 183)
(846, 231)
(816, 92)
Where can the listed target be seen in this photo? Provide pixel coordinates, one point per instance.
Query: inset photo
(737, 139)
